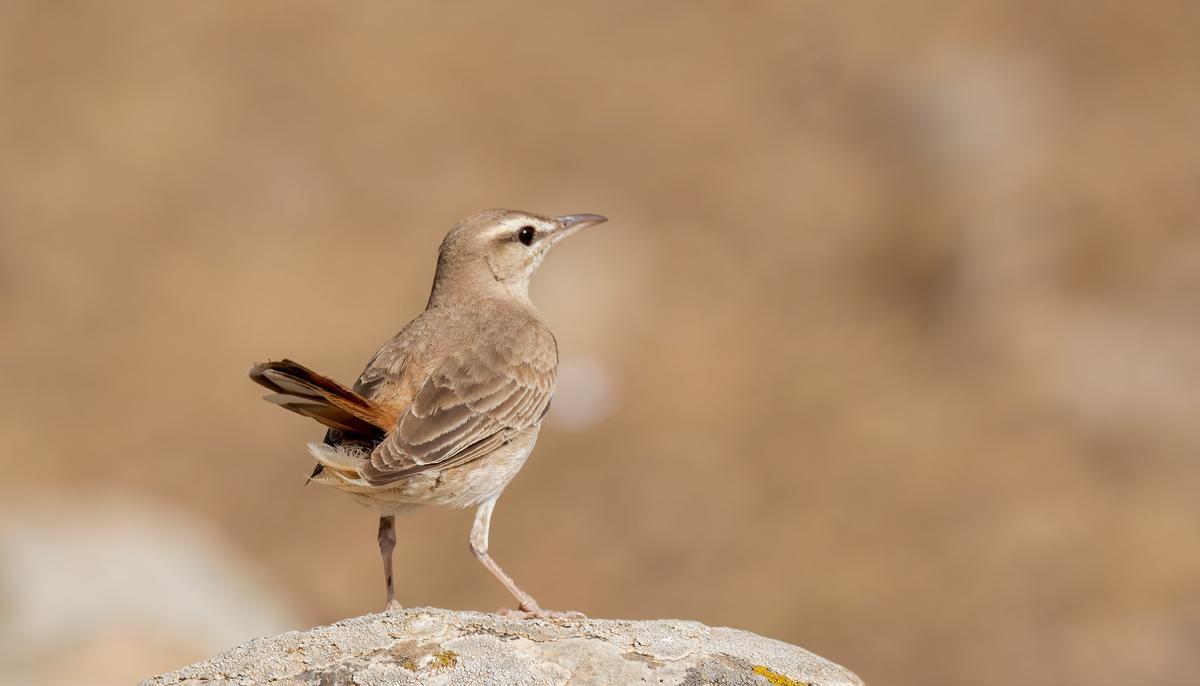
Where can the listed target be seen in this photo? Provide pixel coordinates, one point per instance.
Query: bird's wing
(470, 403)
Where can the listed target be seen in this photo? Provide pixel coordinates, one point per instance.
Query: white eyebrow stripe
(500, 231)
(511, 226)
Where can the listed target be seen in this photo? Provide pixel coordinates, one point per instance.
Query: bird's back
(500, 333)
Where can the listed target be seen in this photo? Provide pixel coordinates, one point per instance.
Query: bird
(447, 411)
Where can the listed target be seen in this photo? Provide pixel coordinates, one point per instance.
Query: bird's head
(497, 251)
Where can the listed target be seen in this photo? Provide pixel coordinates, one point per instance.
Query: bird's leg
(479, 545)
(387, 543)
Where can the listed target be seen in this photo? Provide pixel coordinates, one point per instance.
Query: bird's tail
(303, 391)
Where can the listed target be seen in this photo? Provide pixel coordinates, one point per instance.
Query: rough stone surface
(430, 646)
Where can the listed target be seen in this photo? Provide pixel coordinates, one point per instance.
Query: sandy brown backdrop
(890, 349)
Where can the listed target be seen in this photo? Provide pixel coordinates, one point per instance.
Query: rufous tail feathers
(307, 393)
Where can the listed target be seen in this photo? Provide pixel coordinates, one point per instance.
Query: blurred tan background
(890, 348)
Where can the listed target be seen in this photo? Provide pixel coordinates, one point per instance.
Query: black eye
(525, 235)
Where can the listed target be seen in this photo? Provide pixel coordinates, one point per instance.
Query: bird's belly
(463, 486)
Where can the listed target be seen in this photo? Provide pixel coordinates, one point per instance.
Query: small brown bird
(448, 410)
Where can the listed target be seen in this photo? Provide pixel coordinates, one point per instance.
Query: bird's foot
(393, 605)
(536, 612)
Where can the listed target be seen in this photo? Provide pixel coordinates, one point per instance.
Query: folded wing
(471, 404)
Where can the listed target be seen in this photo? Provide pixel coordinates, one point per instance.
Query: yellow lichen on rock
(445, 659)
(776, 678)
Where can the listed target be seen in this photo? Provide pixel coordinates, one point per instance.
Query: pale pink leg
(479, 545)
(387, 543)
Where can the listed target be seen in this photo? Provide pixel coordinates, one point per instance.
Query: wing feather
(470, 404)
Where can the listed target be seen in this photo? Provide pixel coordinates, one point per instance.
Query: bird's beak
(570, 223)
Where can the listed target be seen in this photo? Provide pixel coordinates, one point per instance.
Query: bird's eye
(525, 235)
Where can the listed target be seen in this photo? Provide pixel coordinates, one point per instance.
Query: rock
(431, 646)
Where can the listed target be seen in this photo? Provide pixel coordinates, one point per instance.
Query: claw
(538, 613)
